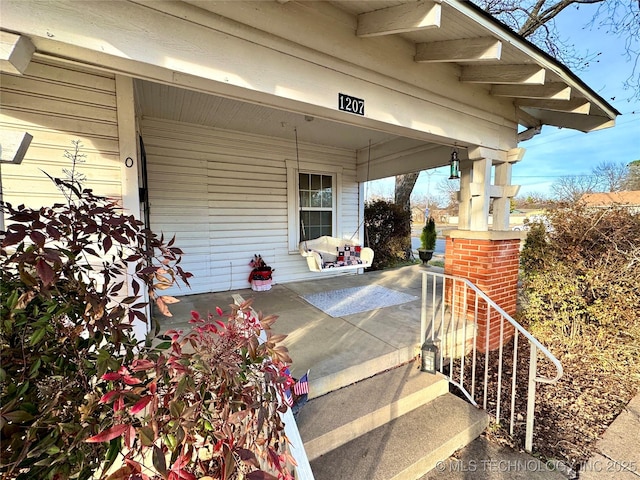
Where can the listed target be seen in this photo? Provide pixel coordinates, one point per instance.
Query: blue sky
(561, 152)
(556, 152)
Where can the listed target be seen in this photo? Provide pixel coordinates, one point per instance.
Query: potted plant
(428, 240)
(261, 275)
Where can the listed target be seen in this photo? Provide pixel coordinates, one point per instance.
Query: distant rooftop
(611, 198)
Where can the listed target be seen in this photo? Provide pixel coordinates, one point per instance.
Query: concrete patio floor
(337, 351)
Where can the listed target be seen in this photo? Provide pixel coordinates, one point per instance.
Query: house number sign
(350, 104)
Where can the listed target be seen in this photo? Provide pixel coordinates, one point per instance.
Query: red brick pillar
(490, 260)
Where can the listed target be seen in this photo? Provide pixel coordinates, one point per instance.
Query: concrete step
(321, 385)
(329, 421)
(407, 447)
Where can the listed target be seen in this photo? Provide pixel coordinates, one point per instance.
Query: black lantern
(429, 353)
(454, 163)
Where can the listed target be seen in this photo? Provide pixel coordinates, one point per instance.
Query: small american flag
(302, 386)
(288, 397)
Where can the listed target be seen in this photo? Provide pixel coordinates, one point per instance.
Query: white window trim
(293, 197)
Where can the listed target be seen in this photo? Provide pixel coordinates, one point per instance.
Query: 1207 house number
(350, 104)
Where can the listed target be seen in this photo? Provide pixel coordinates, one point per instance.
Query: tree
(449, 190)
(535, 21)
(571, 188)
(611, 176)
(533, 200)
(633, 179)
(404, 187)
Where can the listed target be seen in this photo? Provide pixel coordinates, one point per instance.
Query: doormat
(348, 301)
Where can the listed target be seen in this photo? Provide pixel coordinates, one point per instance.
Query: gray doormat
(348, 301)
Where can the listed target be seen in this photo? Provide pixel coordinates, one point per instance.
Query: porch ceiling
(180, 105)
(379, 154)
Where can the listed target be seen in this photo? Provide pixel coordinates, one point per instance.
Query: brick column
(490, 260)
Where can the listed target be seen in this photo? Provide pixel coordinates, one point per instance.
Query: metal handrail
(465, 285)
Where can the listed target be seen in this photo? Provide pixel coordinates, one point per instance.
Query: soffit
(456, 26)
(180, 105)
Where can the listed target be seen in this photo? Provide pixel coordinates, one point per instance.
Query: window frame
(293, 200)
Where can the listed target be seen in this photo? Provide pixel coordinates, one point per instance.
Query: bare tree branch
(611, 176)
(571, 188)
(535, 20)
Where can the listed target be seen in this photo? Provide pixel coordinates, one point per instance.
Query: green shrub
(581, 280)
(536, 249)
(429, 235)
(388, 233)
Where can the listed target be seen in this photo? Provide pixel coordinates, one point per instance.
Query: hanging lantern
(454, 164)
(429, 351)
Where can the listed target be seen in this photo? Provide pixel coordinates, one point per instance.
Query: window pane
(304, 226)
(316, 182)
(304, 181)
(327, 199)
(326, 182)
(304, 199)
(316, 199)
(315, 232)
(325, 218)
(326, 230)
(314, 218)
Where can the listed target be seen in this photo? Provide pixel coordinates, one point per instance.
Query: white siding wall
(58, 104)
(224, 195)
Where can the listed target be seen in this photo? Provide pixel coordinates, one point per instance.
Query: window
(316, 205)
(314, 198)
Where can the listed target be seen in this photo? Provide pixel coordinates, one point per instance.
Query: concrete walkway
(334, 349)
(484, 460)
(618, 458)
(619, 448)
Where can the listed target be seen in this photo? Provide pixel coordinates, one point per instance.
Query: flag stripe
(301, 386)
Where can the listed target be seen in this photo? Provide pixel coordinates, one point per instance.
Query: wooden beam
(13, 146)
(549, 91)
(503, 74)
(583, 123)
(575, 105)
(15, 53)
(515, 154)
(423, 157)
(462, 50)
(407, 17)
(527, 120)
(480, 152)
(493, 191)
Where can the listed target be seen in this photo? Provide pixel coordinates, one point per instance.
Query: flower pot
(261, 285)
(425, 255)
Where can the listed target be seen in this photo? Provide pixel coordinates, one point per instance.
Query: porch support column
(128, 158)
(488, 258)
(464, 195)
(480, 187)
(503, 191)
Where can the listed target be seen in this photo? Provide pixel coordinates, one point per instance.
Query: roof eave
(542, 58)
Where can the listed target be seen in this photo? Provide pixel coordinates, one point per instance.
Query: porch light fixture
(454, 165)
(429, 351)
